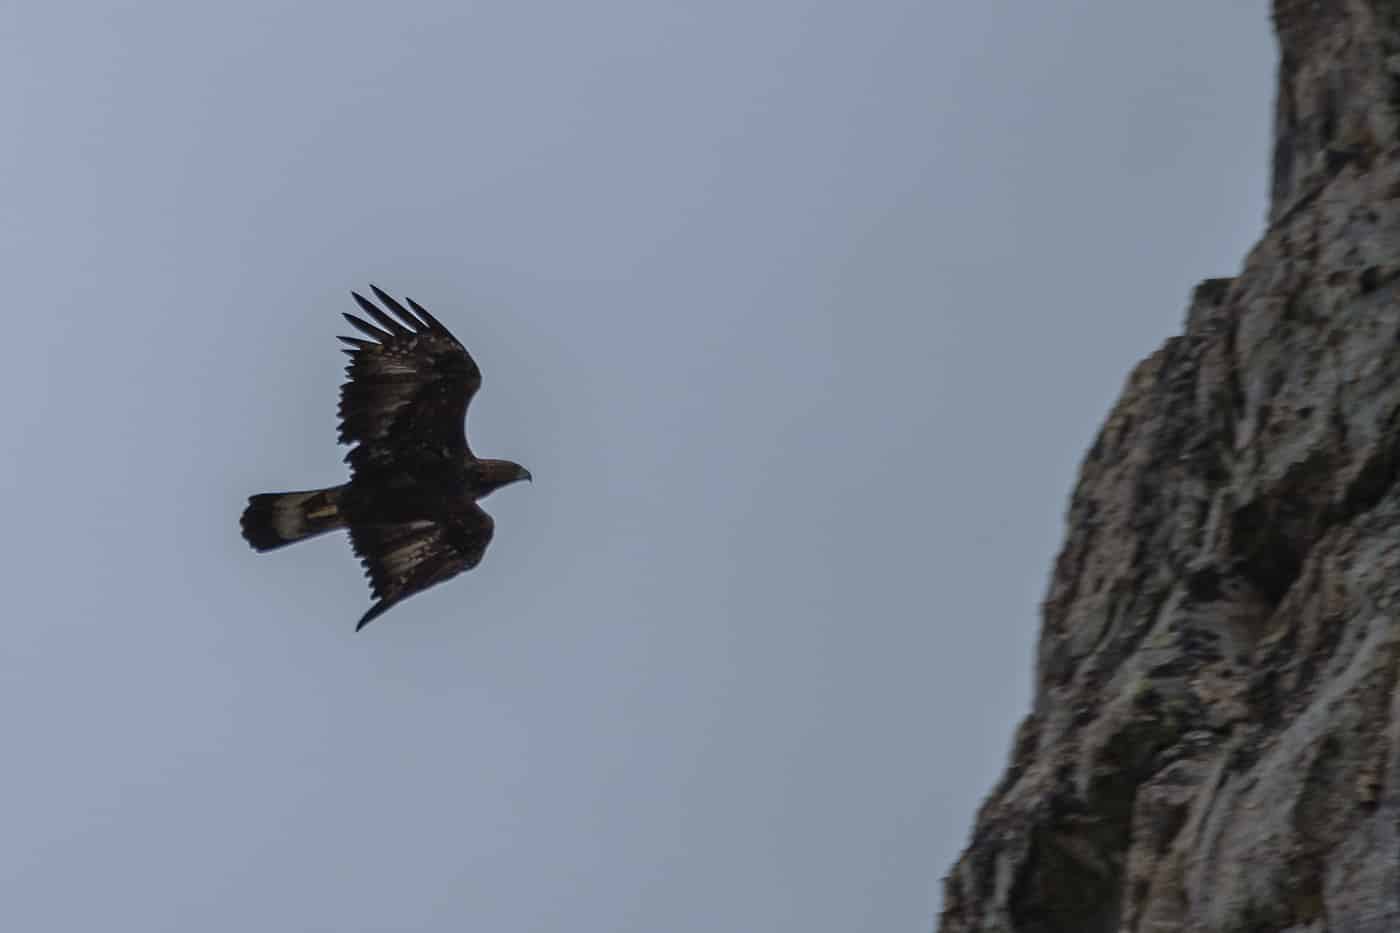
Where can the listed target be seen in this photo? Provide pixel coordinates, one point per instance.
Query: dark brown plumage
(411, 502)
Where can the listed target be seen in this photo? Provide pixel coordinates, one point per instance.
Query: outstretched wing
(407, 558)
(408, 390)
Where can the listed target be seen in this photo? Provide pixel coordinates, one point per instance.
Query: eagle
(411, 503)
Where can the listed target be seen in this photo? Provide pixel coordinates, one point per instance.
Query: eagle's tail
(274, 519)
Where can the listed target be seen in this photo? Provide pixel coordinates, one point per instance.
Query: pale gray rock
(1214, 743)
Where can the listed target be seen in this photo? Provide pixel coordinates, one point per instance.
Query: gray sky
(801, 313)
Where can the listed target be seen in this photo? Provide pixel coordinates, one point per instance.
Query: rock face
(1215, 738)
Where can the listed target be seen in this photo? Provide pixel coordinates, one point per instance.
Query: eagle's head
(489, 475)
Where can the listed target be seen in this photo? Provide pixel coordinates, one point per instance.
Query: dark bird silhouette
(411, 502)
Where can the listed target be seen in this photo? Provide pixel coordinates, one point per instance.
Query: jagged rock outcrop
(1215, 738)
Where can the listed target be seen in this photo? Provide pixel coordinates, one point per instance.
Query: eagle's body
(411, 502)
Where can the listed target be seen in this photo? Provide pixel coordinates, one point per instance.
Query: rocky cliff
(1215, 738)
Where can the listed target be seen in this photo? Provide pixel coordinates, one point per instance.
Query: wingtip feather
(393, 305)
(366, 327)
(380, 316)
(375, 612)
(428, 319)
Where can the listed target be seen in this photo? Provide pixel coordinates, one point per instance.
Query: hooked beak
(525, 475)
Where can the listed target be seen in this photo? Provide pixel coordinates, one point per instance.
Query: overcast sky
(801, 313)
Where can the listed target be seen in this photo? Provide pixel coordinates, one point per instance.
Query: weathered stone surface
(1215, 738)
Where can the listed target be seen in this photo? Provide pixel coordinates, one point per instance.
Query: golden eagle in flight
(411, 503)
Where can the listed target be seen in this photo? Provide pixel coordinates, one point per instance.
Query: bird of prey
(411, 502)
